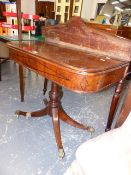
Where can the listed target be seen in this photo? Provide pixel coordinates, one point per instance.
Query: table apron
(74, 81)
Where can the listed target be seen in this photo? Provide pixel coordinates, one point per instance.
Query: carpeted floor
(28, 147)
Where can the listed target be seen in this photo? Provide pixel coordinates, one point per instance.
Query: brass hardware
(17, 113)
(28, 115)
(61, 153)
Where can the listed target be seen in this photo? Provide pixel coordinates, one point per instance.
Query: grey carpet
(28, 147)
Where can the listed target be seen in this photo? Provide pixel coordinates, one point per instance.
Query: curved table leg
(114, 103)
(54, 104)
(56, 124)
(64, 117)
(55, 110)
(39, 113)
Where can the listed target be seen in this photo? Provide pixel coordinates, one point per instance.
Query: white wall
(89, 8)
(28, 6)
(86, 9)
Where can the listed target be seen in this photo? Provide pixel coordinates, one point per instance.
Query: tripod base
(56, 112)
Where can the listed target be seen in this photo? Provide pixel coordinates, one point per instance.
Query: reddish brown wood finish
(104, 27)
(115, 99)
(81, 72)
(45, 86)
(77, 34)
(126, 108)
(126, 32)
(22, 82)
(45, 8)
(55, 110)
(123, 31)
(84, 68)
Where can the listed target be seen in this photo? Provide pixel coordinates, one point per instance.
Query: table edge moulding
(61, 58)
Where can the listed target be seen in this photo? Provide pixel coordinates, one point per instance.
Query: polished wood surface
(105, 27)
(94, 76)
(79, 67)
(124, 31)
(75, 33)
(46, 9)
(126, 108)
(68, 69)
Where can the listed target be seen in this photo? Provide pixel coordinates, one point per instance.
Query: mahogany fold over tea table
(77, 70)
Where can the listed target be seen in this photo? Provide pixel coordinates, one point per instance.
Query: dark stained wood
(75, 33)
(45, 8)
(124, 31)
(115, 99)
(18, 8)
(105, 27)
(75, 57)
(2, 9)
(22, 83)
(55, 110)
(68, 69)
(126, 109)
(71, 8)
(45, 86)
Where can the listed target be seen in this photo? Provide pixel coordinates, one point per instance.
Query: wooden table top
(81, 61)
(71, 68)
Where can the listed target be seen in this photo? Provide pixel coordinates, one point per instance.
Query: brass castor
(28, 115)
(91, 129)
(61, 153)
(17, 113)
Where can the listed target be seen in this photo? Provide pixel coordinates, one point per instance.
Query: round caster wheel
(17, 113)
(61, 153)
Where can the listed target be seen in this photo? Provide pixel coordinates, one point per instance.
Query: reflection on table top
(76, 70)
(87, 60)
(7, 38)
